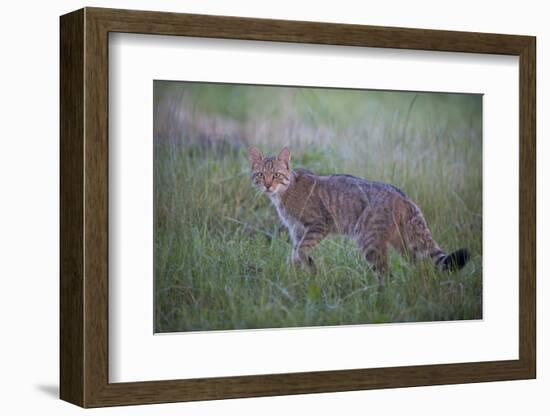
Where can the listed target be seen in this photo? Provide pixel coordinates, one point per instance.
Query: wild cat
(376, 215)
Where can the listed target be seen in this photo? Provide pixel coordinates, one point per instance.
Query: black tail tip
(456, 260)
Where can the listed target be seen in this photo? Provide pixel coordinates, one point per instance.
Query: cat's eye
(276, 174)
(259, 175)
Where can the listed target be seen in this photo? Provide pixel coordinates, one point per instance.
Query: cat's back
(360, 188)
(340, 200)
(345, 194)
(343, 185)
(344, 199)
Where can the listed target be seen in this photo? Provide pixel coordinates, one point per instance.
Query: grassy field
(220, 252)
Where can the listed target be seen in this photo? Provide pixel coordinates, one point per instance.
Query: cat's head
(270, 174)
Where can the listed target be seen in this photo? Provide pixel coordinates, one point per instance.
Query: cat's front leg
(294, 258)
(305, 243)
(297, 257)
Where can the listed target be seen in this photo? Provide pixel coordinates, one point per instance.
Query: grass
(220, 252)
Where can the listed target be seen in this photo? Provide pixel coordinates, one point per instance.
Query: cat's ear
(284, 156)
(254, 156)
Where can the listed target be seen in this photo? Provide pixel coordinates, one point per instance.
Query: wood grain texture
(225, 27)
(527, 208)
(71, 100)
(96, 208)
(305, 383)
(84, 207)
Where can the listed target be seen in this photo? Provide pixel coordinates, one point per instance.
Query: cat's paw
(306, 262)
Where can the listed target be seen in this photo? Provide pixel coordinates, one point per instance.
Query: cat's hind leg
(372, 232)
(374, 246)
(397, 241)
(377, 256)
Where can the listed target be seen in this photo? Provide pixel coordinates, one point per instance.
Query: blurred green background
(220, 252)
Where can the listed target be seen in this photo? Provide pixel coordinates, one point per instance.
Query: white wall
(29, 209)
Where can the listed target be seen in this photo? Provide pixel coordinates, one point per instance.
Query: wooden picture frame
(84, 207)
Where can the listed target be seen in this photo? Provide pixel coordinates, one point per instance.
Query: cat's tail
(451, 262)
(420, 243)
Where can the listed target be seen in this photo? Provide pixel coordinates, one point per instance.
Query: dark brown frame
(84, 207)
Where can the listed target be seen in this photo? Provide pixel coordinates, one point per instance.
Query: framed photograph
(255, 207)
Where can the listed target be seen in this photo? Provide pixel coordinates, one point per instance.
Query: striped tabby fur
(376, 215)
